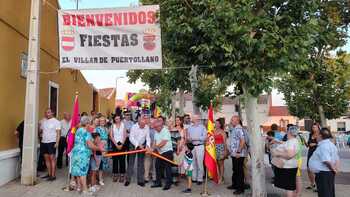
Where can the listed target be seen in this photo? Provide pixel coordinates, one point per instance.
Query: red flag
(73, 125)
(210, 152)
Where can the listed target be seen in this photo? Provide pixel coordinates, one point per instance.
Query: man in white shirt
(65, 126)
(50, 129)
(139, 139)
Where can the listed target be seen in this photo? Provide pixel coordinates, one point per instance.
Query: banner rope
(113, 154)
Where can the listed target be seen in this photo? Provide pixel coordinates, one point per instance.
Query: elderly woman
(81, 154)
(285, 162)
(103, 131)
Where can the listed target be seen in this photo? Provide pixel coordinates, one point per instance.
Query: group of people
(182, 141)
(285, 155)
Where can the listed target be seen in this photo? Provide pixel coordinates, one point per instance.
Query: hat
(293, 130)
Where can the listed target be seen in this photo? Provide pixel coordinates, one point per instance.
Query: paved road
(53, 189)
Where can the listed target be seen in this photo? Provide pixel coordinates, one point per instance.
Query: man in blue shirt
(324, 162)
(197, 134)
(162, 144)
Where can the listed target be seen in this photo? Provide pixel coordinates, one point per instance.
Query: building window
(53, 97)
(340, 126)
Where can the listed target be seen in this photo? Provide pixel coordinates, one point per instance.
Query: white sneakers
(94, 188)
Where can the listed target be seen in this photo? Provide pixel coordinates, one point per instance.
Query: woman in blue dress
(103, 131)
(81, 153)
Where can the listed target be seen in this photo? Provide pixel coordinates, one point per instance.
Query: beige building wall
(14, 26)
(107, 106)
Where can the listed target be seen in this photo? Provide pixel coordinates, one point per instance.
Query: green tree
(319, 88)
(326, 85)
(163, 83)
(246, 43)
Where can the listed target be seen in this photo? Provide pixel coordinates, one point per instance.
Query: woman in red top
(221, 147)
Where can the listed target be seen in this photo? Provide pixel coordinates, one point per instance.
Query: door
(53, 97)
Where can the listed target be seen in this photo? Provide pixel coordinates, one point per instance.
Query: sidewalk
(54, 189)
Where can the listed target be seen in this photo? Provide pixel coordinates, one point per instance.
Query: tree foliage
(304, 90)
(210, 89)
(321, 80)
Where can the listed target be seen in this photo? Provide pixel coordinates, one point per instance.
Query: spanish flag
(210, 152)
(73, 125)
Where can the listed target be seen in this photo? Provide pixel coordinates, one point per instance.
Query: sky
(106, 79)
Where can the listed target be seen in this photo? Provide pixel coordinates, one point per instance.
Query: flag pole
(67, 188)
(205, 187)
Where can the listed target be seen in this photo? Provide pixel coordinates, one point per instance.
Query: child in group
(95, 161)
(188, 166)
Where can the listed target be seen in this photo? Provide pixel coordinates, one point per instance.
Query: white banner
(116, 38)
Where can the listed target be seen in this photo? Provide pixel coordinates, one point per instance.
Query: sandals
(116, 178)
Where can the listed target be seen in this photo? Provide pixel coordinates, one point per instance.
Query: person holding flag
(197, 135)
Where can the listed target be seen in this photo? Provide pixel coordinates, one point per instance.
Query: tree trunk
(181, 102)
(322, 116)
(173, 105)
(194, 86)
(256, 147)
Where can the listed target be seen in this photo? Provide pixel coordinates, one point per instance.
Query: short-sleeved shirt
(164, 134)
(325, 151)
(128, 124)
(279, 135)
(197, 134)
(65, 126)
(236, 134)
(49, 128)
(292, 144)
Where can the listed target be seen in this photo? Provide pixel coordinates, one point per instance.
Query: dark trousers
(127, 145)
(118, 161)
(164, 167)
(140, 166)
(325, 184)
(61, 147)
(238, 173)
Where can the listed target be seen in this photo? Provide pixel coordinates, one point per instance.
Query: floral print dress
(104, 137)
(81, 153)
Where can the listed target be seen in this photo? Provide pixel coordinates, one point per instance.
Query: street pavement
(54, 189)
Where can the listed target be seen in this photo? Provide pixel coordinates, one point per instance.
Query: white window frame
(54, 85)
(343, 123)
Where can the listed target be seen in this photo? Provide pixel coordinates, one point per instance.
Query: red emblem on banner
(149, 38)
(68, 39)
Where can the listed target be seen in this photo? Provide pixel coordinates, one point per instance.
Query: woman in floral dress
(81, 154)
(103, 131)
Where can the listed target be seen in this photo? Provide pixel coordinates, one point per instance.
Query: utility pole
(30, 138)
(194, 85)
